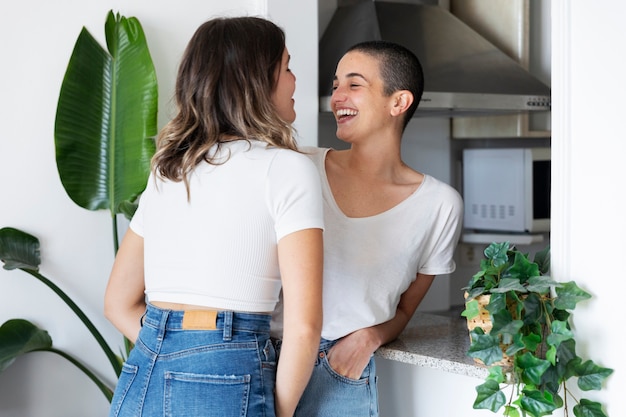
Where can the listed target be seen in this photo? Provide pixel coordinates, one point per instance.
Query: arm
(300, 257)
(124, 301)
(352, 353)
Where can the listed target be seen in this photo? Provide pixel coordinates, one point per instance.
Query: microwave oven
(507, 190)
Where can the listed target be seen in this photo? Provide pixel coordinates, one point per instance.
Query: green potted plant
(519, 321)
(105, 124)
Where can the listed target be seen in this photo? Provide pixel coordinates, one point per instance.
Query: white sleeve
(294, 194)
(136, 223)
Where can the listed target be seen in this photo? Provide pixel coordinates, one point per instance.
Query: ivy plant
(527, 341)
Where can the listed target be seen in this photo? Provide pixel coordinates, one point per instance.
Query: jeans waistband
(326, 344)
(205, 319)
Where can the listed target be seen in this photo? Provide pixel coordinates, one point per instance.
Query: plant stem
(116, 243)
(117, 366)
(108, 392)
(565, 399)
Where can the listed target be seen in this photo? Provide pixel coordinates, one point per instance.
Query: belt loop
(163, 325)
(143, 317)
(228, 325)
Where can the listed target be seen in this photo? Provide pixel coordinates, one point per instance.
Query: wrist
(371, 339)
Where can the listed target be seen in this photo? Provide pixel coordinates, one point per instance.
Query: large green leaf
(18, 337)
(106, 117)
(19, 249)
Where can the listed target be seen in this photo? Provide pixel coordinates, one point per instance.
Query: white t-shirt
(219, 249)
(369, 262)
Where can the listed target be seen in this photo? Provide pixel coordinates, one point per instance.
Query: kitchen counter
(434, 341)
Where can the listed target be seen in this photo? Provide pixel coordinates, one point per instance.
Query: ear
(402, 100)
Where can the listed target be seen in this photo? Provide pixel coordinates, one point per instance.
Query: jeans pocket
(193, 395)
(127, 376)
(326, 364)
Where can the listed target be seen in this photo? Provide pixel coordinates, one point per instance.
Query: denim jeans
(330, 394)
(174, 372)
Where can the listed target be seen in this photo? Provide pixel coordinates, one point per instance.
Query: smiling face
(282, 96)
(358, 100)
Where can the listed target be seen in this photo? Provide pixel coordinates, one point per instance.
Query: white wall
(588, 150)
(77, 251)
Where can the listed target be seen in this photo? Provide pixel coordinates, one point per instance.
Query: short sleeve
(136, 223)
(446, 232)
(294, 193)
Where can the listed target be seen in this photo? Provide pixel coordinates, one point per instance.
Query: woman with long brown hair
(231, 215)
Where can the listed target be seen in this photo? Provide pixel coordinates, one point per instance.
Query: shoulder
(292, 165)
(313, 152)
(316, 155)
(442, 192)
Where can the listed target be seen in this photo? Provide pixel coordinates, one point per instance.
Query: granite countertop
(434, 341)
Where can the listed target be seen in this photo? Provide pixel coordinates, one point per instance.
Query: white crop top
(219, 249)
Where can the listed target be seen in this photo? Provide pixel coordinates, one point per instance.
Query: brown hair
(223, 92)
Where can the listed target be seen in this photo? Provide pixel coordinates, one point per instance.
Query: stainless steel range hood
(464, 74)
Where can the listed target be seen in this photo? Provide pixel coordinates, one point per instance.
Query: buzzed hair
(399, 68)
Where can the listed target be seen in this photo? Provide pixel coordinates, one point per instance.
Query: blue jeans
(228, 370)
(330, 394)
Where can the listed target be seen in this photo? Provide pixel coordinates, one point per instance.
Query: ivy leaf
(539, 403)
(591, 376)
(489, 396)
(551, 355)
(497, 253)
(568, 360)
(509, 284)
(509, 328)
(532, 368)
(522, 269)
(533, 309)
(541, 284)
(559, 333)
(497, 302)
(484, 347)
(510, 411)
(472, 309)
(551, 380)
(475, 292)
(568, 295)
(517, 345)
(586, 408)
(542, 258)
(500, 319)
(496, 374)
(531, 341)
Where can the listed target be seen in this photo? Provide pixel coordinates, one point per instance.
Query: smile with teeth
(346, 112)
